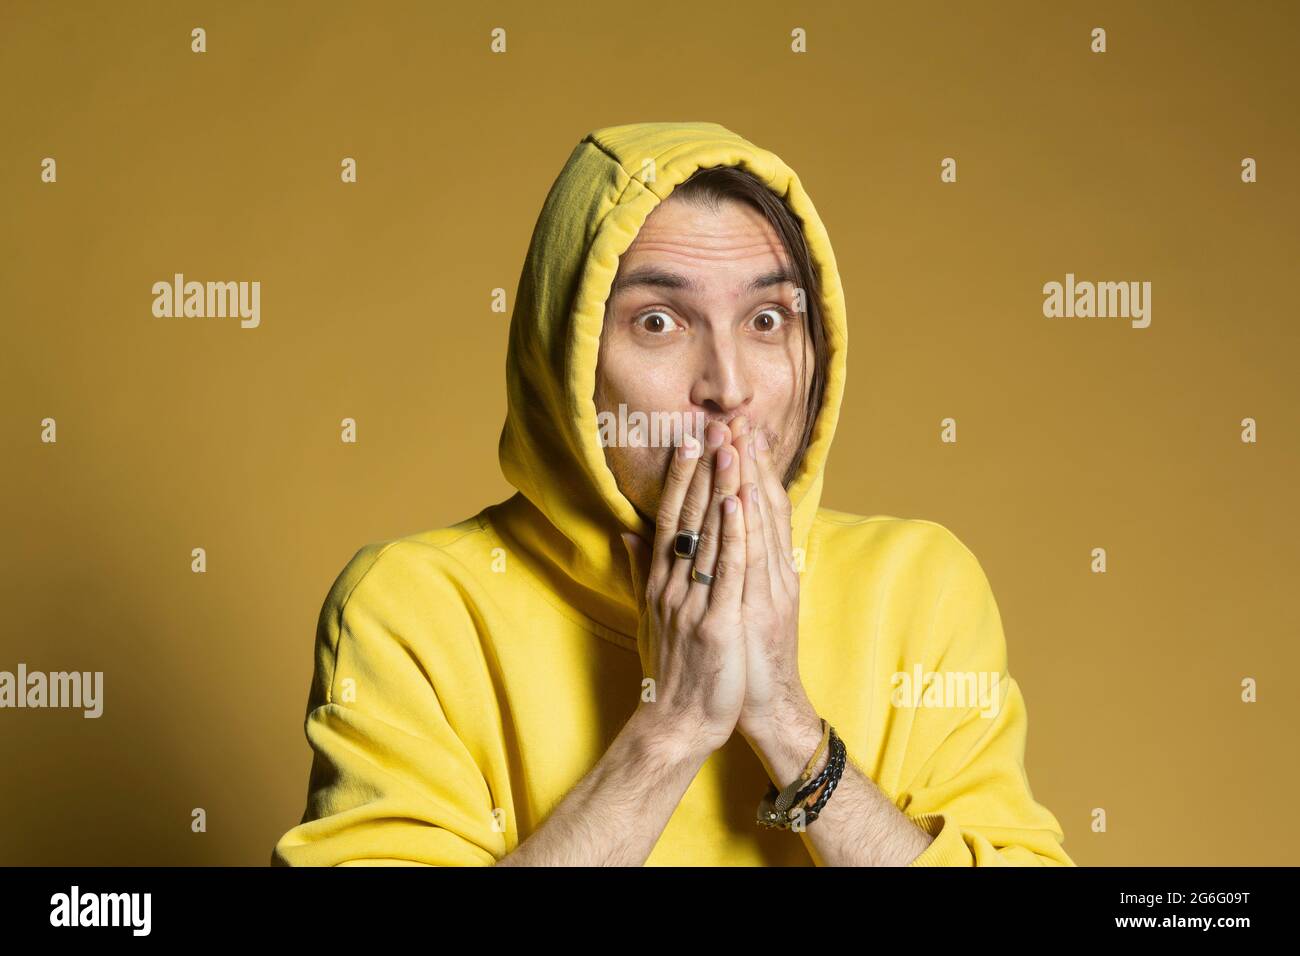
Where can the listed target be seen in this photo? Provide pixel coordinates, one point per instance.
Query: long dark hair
(709, 187)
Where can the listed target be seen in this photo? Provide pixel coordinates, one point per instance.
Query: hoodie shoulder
(400, 614)
(842, 526)
(382, 561)
(911, 570)
(412, 583)
(927, 552)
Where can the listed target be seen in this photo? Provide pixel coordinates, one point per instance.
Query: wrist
(786, 743)
(662, 738)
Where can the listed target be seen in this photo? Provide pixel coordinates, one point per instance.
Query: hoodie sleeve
(971, 792)
(391, 781)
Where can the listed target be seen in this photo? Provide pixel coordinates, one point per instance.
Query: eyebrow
(656, 278)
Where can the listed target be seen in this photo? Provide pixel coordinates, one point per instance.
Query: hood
(569, 512)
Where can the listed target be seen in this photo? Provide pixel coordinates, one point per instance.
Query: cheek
(645, 380)
(776, 383)
(639, 473)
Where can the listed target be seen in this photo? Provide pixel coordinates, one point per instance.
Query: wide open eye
(656, 322)
(771, 320)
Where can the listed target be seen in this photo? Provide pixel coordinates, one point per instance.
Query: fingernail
(729, 504)
(690, 448)
(724, 458)
(714, 435)
(762, 440)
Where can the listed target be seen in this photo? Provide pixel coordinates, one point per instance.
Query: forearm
(615, 814)
(859, 825)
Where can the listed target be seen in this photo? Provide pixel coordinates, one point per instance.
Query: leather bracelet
(828, 778)
(795, 790)
(839, 756)
(776, 808)
(821, 778)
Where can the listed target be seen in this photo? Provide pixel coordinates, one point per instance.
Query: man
(669, 653)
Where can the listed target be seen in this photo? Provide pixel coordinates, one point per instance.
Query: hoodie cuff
(948, 848)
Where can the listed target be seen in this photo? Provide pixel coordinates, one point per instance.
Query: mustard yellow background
(1072, 433)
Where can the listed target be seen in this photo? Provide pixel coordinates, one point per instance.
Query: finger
(726, 481)
(758, 581)
(779, 512)
(742, 436)
(729, 570)
(681, 471)
(764, 537)
(695, 506)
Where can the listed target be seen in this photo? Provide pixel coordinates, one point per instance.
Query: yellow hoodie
(466, 678)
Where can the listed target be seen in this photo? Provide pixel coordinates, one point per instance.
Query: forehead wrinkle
(653, 275)
(721, 245)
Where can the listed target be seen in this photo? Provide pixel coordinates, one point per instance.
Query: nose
(721, 384)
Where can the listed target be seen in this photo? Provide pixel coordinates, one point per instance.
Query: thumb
(638, 553)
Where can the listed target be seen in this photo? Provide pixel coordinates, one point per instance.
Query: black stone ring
(685, 544)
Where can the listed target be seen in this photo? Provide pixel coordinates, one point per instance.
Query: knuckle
(708, 538)
(691, 513)
(725, 569)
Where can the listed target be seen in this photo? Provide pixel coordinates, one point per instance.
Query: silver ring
(700, 576)
(685, 543)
